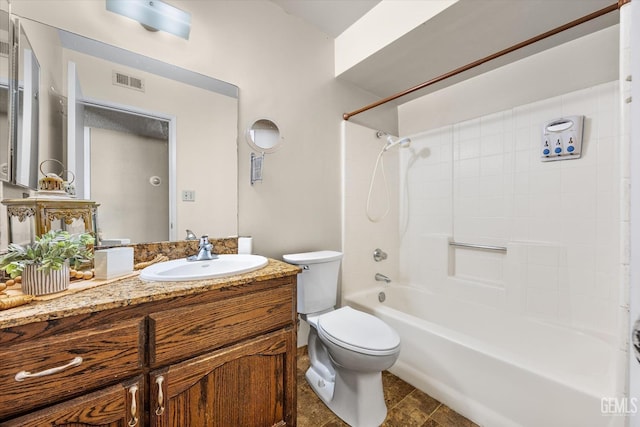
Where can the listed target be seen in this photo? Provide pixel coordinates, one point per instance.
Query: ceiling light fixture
(154, 15)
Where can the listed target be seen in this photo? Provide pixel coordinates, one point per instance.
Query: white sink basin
(180, 270)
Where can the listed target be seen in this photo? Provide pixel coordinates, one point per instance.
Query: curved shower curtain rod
(586, 18)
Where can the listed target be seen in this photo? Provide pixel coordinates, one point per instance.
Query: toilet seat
(358, 331)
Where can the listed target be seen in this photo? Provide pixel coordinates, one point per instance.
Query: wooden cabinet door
(120, 405)
(248, 384)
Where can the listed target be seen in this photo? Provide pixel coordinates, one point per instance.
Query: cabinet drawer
(112, 406)
(195, 329)
(67, 365)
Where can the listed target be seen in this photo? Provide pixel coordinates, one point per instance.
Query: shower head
(392, 142)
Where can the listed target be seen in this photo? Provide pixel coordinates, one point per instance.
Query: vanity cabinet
(242, 385)
(114, 406)
(222, 357)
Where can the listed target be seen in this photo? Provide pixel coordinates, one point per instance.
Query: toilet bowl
(358, 341)
(348, 349)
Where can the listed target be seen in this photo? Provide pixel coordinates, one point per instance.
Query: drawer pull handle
(160, 408)
(23, 375)
(134, 406)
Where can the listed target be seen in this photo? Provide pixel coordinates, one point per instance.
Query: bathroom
(284, 68)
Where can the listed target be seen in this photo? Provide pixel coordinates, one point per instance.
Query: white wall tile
(542, 277)
(467, 130)
(544, 182)
(583, 205)
(493, 144)
(579, 231)
(582, 281)
(578, 179)
(489, 186)
(492, 165)
(542, 303)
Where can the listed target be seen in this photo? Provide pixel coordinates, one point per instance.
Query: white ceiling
(465, 32)
(330, 16)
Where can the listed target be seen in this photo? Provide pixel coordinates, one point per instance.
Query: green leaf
(49, 252)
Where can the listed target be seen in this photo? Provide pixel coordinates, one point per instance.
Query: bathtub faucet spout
(382, 278)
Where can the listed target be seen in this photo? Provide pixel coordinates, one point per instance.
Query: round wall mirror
(264, 136)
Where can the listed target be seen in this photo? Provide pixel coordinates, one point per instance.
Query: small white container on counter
(245, 245)
(113, 262)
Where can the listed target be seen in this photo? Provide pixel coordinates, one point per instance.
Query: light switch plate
(188, 196)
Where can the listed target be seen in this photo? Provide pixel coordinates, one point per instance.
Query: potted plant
(44, 264)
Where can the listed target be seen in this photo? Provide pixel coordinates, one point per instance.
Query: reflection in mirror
(132, 150)
(184, 128)
(5, 149)
(26, 160)
(37, 133)
(264, 136)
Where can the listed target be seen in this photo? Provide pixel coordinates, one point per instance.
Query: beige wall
(284, 69)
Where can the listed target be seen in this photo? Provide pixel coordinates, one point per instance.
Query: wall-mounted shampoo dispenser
(562, 139)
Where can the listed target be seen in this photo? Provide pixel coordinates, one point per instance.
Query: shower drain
(382, 297)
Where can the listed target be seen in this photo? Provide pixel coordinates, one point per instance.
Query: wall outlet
(188, 196)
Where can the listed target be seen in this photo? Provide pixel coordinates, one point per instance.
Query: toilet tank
(318, 282)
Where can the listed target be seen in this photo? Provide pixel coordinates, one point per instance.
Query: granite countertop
(131, 291)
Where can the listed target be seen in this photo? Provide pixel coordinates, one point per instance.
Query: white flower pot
(38, 282)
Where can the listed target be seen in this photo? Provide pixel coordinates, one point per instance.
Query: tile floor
(406, 405)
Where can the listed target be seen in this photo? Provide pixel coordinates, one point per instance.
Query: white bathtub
(495, 368)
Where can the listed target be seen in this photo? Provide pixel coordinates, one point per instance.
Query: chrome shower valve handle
(379, 255)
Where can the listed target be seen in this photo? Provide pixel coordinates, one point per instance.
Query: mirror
(264, 136)
(137, 134)
(5, 148)
(27, 101)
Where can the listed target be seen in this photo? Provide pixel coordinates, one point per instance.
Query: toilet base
(357, 398)
(323, 388)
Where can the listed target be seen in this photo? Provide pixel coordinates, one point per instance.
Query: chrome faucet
(204, 251)
(382, 278)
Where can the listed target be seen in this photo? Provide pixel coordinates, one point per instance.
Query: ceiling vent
(120, 79)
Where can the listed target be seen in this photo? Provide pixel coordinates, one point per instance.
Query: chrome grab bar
(481, 247)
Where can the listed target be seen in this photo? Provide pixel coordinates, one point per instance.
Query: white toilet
(348, 349)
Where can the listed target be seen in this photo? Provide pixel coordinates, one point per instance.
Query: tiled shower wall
(481, 181)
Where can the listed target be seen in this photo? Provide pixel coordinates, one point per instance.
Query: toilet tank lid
(312, 257)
